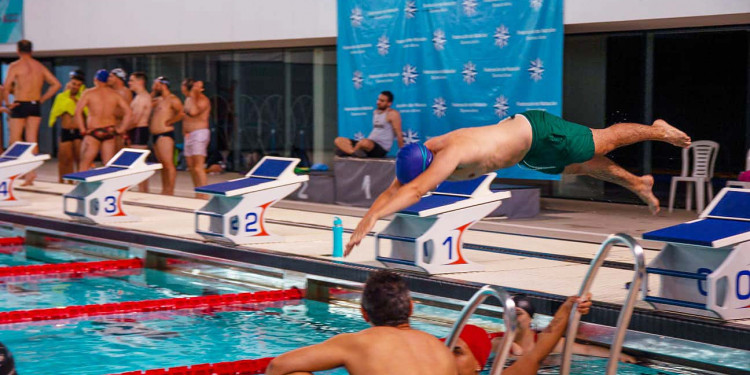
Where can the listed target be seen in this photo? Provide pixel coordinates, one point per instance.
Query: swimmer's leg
(89, 150)
(623, 134)
(600, 167)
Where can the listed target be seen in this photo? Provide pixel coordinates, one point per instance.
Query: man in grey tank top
(386, 124)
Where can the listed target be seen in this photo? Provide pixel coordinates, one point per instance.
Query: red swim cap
(478, 341)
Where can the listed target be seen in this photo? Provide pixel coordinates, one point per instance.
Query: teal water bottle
(338, 237)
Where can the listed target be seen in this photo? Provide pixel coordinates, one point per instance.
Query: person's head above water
(386, 300)
(7, 365)
(411, 161)
(472, 350)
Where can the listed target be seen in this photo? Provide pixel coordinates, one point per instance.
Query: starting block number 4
(6, 191)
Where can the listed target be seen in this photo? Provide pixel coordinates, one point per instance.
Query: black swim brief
(138, 136)
(26, 109)
(103, 134)
(156, 137)
(69, 135)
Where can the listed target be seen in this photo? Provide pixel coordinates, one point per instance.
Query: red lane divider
(166, 304)
(11, 245)
(244, 367)
(63, 268)
(12, 241)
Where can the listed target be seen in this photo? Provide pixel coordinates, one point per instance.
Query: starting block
(705, 266)
(98, 196)
(236, 211)
(16, 161)
(426, 237)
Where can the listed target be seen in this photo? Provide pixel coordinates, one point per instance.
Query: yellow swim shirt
(64, 103)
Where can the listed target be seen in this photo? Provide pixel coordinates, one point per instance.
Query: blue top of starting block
(3, 159)
(271, 168)
(91, 173)
(734, 204)
(466, 187)
(15, 150)
(704, 232)
(126, 159)
(225, 187)
(432, 201)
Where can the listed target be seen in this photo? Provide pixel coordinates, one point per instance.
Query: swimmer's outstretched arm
(78, 116)
(329, 354)
(443, 165)
(528, 364)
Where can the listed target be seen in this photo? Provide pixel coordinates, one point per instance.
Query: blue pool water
(106, 345)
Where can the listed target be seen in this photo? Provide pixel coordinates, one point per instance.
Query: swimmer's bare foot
(673, 135)
(29, 179)
(647, 195)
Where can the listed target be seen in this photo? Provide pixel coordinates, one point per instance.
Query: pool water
(107, 345)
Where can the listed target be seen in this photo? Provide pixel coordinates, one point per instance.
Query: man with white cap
(117, 80)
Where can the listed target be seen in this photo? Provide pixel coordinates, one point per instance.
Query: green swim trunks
(556, 143)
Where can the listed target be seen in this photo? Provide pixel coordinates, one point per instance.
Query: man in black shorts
(138, 133)
(386, 123)
(64, 108)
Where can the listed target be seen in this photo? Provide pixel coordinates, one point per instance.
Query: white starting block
(236, 211)
(16, 161)
(98, 196)
(705, 266)
(426, 237)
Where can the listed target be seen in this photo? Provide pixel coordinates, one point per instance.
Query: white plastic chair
(704, 159)
(742, 184)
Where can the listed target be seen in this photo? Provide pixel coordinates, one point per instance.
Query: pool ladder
(639, 281)
(509, 318)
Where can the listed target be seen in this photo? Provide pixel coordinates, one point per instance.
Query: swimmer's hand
(13, 105)
(363, 228)
(584, 303)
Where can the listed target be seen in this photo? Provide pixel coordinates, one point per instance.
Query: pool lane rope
(244, 367)
(167, 304)
(78, 268)
(11, 245)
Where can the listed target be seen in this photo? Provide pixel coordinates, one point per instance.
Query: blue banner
(450, 64)
(11, 21)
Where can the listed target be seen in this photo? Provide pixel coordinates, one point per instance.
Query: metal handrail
(627, 308)
(509, 318)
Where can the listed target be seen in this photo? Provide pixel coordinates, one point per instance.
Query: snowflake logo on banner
(358, 79)
(358, 136)
(410, 136)
(356, 17)
(502, 35)
(409, 75)
(469, 72)
(470, 7)
(501, 106)
(439, 107)
(438, 39)
(536, 4)
(536, 69)
(410, 9)
(383, 45)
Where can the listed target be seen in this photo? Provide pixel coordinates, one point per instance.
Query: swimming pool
(140, 341)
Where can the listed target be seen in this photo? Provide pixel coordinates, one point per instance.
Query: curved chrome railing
(627, 308)
(509, 318)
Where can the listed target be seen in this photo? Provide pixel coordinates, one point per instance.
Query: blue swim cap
(101, 75)
(411, 161)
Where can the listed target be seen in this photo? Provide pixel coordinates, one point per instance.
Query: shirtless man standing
(141, 107)
(390, 347)
(117, 80)
(64, 108)
(195, 129)
(533, 139)
(25, 79)
(99, 130)
(167, 111)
